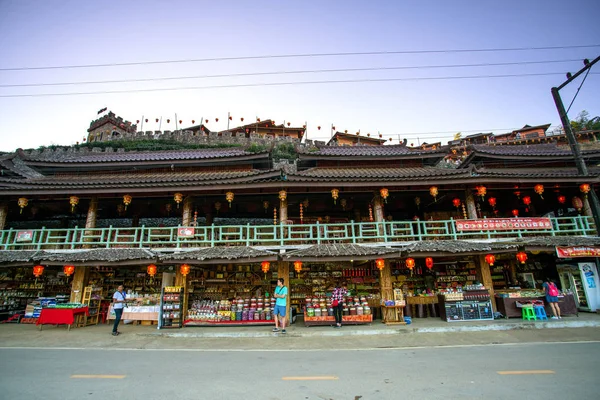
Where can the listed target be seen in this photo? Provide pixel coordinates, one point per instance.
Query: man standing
(118, 304)
(280, 305)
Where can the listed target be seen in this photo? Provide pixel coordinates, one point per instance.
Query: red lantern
(585, 188)
(481, 191)
(515, 213)
(522, 257)
(152, 270)
(318, 127)
(156, 119)
(265, 265)
(289, 124)
(184, 269)
(297, 266)
(410, 263)
(168, 121)
(216, 119)
(231, 118)
(577, 203)
(539, 189)
(38, 270)
(180, 122)
(492, 201)
(242, 119)
(456, 202)
(68, 270)
(429, 262)
(562, 199)
(380, 263)
(526, 200)
(146, 119)
(490, 259)
(137, 122)
(193, 121)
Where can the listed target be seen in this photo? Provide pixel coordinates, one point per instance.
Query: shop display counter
(136, 313)
(257, 322)
(330, 320)
(507, 305)
(60, 316)
(393, 315)
(473, 305)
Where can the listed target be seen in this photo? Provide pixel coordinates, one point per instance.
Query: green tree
(583, 122)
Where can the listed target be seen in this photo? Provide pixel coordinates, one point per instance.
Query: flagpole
(142, 127)
(160, 123)
(228, 116)
(176, 126)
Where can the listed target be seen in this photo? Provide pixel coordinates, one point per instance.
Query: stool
(528, 313)
(540, 313)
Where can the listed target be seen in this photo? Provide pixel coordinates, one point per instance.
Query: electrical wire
(275, 56)
(578, 89)
(243, 85)
(287, 73)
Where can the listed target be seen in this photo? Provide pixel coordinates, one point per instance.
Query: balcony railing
(274, 235)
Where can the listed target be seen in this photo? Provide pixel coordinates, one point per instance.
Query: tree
(583, 122)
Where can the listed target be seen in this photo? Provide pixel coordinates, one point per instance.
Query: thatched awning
(458, 247)
(213, 255)
(340, 252)
(95, 256)
(17, 256)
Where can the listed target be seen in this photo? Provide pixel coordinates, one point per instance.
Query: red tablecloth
(60, 316)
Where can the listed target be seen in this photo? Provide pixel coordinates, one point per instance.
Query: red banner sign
(502, 224)
(577, 251)
(186, 232)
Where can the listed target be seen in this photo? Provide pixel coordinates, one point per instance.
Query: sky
(74, 33)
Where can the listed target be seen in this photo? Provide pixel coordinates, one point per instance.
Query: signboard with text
(577, 251)
(186, 232)
(24, 236)
(502, 224)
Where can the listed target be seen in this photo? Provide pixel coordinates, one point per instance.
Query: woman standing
(337, 302)
(552, 297)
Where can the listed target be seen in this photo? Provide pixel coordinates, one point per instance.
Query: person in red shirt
(337, 302)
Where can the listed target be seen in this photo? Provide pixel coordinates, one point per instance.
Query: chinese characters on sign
(579, 251)
(503, 224)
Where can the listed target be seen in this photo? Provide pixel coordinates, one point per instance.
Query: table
(508, 308)
(136, 313)
(393, 315)
(60, 316)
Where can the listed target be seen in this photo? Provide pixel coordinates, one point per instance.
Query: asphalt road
(516, 371)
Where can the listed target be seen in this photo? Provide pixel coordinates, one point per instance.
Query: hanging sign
(186, 232)
(577, 251)
(503, 224)
(24, 236)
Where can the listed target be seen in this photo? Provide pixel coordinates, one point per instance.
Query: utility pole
(579, 161)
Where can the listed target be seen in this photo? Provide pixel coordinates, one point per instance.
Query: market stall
(139, 308)
(61, 316)
(319, 311)
(506, 302)
(473, 303)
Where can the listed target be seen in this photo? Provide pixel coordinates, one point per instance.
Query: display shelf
(171, 307)
(476, 306)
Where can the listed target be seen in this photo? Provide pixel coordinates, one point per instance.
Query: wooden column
(3, 215)
(378, 212)
(188, 212)
(587, 210)
(470, 201)
(283, 271)
(90, 221)
(181, 280)
(80, 279)
(283, 212)
(486, 278)
(385, 282)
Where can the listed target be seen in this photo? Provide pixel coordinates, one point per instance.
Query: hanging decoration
(417, 202)
(577, 203)
(490, 259)
(264, 266)
(562, 199)
(481, 191)
(515, 212)
(464, 210)
(22, 202)
(73, 201)
(69, 270)
(152, 270)
(584, 188)
(265, 205)
(492, 202)
(526, 200)
(38, 270)
(335, 193)
(380, 263)
(433, 191)
(306, 203)
(274, 215)
(301, 213)
(217, 206)
(127, 200)
(539, 189)
(184, 269)
(429, 262)
(370, 213)
(229, 197)
(343, 203)
(282, 195)
(297, 266)
(456, 202)
(384, 193)
(522, 257)
(410, 263)
(178, 197)
(517, 193)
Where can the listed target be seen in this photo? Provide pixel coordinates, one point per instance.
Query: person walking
(337, 302)
(280, 305)
(118, 305)
(552, 297)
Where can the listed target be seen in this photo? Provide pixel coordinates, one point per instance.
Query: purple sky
(41, 33)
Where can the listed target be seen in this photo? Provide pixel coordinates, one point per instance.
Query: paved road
(528, 371)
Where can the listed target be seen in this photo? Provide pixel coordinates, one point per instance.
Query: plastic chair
(540, 313)
(528, 313)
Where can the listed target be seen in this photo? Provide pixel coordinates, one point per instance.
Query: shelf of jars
(237, 312)
(318, 311)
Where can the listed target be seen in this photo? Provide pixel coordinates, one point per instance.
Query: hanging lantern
(288, 124)
(242, 119)
(73, 200)
(456, 202)
(22, 202)
(178, 197)
(193, 122)
(418, 201)
(257, 119)
(180, 122)
(539, 189)
(384, 193)
(335, 194)
(301, 213)
(127, 200)
(522, 257)
(380, 263)
(517, 193)
(184, 269)
(410, 263)
(481, 191)
(68, 270)
(343, 203)
(217, 205)
(38, 270)
(146, 120)
(318, 127)
(298, 266)
(492, 202)
(229, 197)
(585, 188)
(429, 262)
(274, 215)
(168, 121)
(433, 191)
(282, 195)
(562, 199)
(577, 203)
(515, 213)
(370, 213)
(216, 119)
(230, 118)
(490, 259)
(264, 266)
(526, 200)
(151, 270)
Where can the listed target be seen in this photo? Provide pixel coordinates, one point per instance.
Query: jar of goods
(251, 314)
(345, 311)
(310, 312)
(367, 310)
(359, 310)
(267, 316)
(233, 316)
(352, 310)
(238, 315)
(330, 311)
(245, 315)
(317, 312)
(256, 316)
(324, 311)
(307, 300)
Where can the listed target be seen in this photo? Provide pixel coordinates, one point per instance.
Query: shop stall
(506, 301)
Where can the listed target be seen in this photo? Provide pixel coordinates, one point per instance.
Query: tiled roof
(221, 253)
(339, 250)
(381, 173)
(541, 150)
(14, 256)
(368, 151)
(455, 246)
(94, 255)
(562, 241)
(534, 172)
(63, 156)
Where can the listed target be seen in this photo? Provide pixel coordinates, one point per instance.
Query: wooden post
(283, 213)
(587, 209)
(470, 201)
(80, 279)
(486, 278)
(181, 280)
(90, 221)
(3, 215)
(188, 205)
(385, 282)
(283, 271)
(378, 212)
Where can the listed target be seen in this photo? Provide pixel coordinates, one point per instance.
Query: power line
(274, 56)
(242, 85)
(288, 72)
